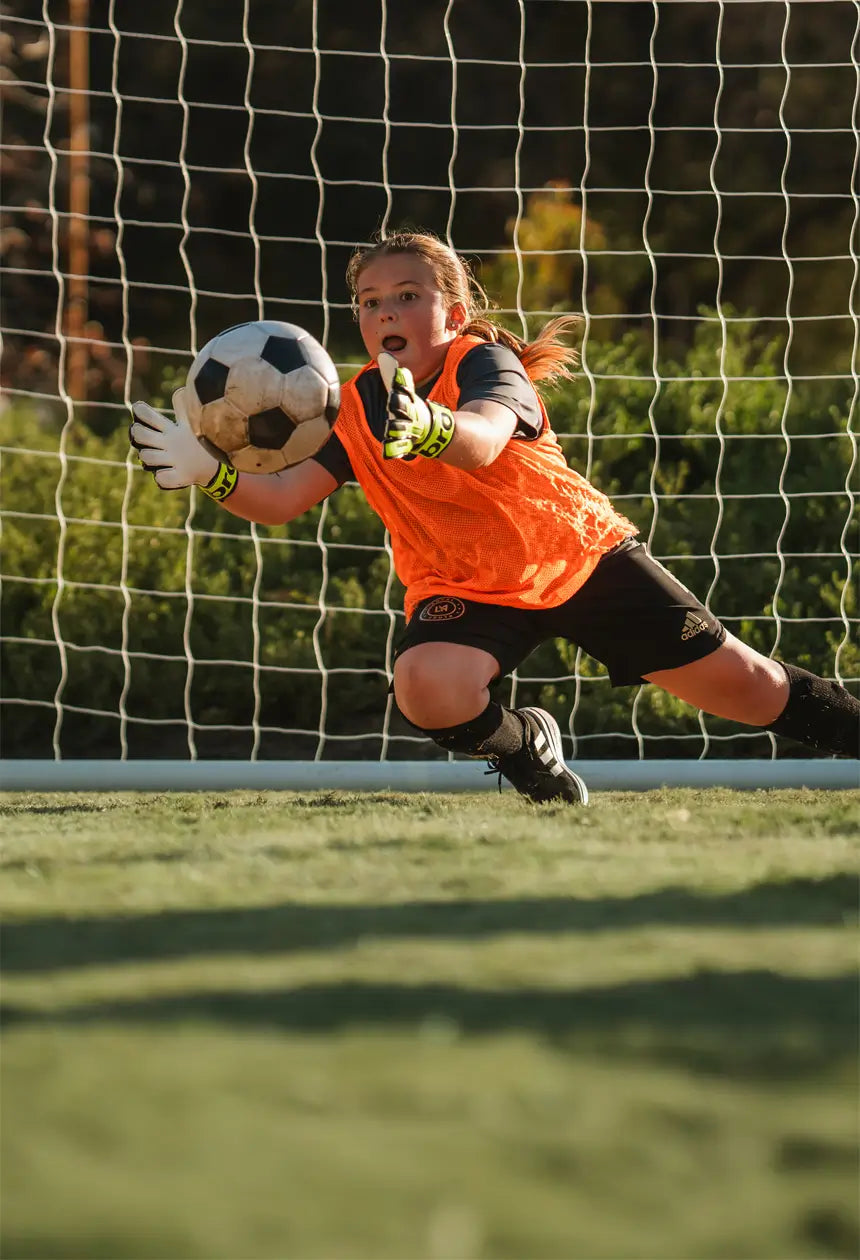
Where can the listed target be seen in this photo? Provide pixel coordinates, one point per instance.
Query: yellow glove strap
(440, 434)
(222, 484)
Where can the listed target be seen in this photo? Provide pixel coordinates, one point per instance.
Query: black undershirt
(488, 371)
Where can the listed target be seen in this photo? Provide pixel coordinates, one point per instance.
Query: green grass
(246, 1026)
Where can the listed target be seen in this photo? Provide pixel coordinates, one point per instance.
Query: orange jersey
(527, 531)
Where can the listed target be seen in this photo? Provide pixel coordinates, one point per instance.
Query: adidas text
(693, 625)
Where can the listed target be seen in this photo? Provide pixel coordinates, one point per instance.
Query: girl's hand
(170, 450)
(413, 426)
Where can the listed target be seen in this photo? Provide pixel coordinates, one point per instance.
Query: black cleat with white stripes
(538, 770)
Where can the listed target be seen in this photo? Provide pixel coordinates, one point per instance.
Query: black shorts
(632, 615)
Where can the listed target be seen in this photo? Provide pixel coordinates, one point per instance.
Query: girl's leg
(443, 684)
(632, 613)
(739, 683)
(733, 682)
(443, 689)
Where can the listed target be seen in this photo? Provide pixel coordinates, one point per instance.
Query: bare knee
(438, 685)
(759, 693)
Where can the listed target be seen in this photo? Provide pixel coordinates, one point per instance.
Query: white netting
(683, 174)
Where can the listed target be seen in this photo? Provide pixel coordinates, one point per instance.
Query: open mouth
(393, 344)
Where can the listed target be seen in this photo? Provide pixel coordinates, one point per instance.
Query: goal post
(681, 173)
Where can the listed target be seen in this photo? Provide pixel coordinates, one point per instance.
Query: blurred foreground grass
(247, 1026)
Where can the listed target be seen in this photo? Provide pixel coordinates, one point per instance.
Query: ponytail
(548, 358)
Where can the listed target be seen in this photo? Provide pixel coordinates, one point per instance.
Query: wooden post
(79, 199)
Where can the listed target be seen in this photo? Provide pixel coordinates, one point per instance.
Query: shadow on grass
(756, 1022)
(56, 943)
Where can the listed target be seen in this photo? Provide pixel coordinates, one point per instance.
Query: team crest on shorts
(442, 608)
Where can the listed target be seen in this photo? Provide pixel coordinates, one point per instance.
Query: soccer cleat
(538, 770)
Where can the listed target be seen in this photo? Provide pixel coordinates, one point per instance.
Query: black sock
(497, 732)
(820, 714)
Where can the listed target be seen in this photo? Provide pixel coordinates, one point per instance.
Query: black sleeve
(334, 459)
(493, 371)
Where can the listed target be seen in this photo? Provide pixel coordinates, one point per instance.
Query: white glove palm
(170, 449)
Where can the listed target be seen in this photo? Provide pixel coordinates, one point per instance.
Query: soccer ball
(264, 395)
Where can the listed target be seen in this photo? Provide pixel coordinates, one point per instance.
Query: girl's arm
(171, 452)
(482, 429)
(274, 498)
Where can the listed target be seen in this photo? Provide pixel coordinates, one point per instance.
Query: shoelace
(493, 763)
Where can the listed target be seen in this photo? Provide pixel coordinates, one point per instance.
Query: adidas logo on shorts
(693, 625)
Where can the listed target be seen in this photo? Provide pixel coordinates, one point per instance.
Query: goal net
(683, 174)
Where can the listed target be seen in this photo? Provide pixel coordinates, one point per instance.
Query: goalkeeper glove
(412, 426)
(171, 451)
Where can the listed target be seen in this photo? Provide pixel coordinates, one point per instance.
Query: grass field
(245, 1026)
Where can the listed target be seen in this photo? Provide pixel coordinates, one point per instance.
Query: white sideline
(407, 776)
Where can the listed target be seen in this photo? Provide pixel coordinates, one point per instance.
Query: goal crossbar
(409, 776)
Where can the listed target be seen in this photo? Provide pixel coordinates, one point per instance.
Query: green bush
(137, 584)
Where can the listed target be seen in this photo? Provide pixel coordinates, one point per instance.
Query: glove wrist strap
(222, 484)
(441, 431)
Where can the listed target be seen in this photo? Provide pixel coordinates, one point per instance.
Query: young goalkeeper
(499, 544)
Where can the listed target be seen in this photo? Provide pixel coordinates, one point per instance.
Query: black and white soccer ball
(264, 394)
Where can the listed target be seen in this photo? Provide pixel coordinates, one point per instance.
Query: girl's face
(402, 310)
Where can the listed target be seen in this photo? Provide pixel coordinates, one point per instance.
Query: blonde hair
(548, 358)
